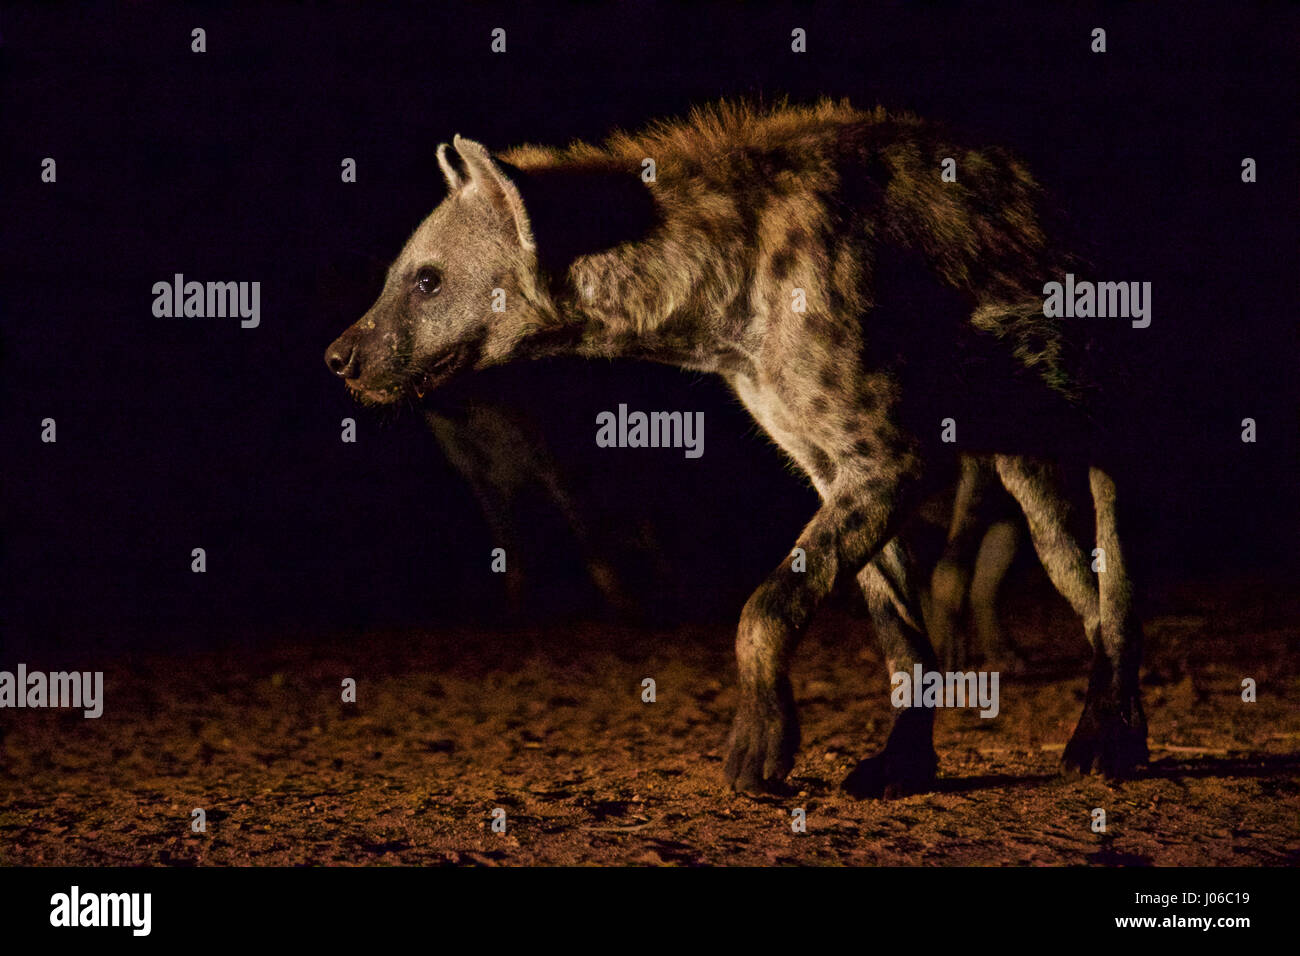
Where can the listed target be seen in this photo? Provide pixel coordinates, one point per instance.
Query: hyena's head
(464, 293)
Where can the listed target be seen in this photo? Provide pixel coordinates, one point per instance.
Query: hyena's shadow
(1244, 767)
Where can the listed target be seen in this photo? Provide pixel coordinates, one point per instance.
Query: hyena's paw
(1109, 740)
(764, 739)
(906, 765)
(891, 775)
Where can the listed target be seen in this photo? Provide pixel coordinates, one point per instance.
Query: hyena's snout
(343, 357)
(369, 364)
(354, 356)
(351, 357)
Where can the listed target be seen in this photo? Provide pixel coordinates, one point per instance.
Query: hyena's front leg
(850, 527)
(907, 763)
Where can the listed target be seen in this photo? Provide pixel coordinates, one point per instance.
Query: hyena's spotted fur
(921, 303)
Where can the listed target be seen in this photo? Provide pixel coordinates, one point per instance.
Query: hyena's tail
(1043, 348)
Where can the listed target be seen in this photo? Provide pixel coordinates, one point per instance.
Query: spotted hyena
(860, 306)
(509, 467)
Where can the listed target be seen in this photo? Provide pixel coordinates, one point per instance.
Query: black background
(175, 434)
(330, 905)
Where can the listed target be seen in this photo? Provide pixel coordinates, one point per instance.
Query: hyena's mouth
(438, 372)
(375, 396)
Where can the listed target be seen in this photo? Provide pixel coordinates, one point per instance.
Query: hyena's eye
(428, 281)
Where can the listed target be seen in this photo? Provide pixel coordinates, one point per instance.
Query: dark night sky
(174, 434)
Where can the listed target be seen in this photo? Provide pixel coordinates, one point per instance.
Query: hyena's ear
(454, 180)
(484, 176)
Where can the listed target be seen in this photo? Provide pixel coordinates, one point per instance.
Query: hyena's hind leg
(907, 763)
(1111, 734)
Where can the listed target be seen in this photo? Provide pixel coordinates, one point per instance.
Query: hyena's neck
(672, 297)
(636, 271)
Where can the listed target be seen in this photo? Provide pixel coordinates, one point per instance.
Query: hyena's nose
(342, 360)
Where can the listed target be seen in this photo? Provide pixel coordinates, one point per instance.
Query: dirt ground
(551, 728)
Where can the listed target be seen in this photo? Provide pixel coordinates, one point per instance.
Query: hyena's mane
(989, 236)
(709, 132)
